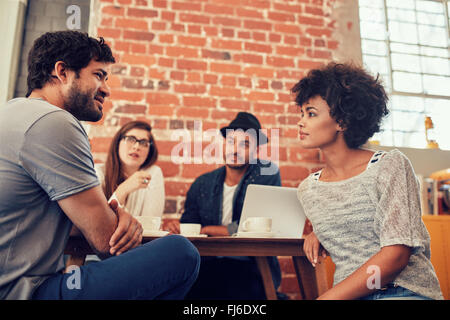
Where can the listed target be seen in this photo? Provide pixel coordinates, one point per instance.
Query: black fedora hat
(245, 121)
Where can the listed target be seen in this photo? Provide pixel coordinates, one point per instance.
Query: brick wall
(182, 61)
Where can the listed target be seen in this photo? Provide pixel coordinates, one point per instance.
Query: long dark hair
(113, 167)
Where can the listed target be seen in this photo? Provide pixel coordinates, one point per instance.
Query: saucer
(246, 234)
(154, 233)
(195, 235)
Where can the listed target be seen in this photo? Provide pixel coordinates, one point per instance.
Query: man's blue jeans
(164, 268)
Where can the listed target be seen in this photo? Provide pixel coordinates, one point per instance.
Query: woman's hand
(311, 247)
(138, 180)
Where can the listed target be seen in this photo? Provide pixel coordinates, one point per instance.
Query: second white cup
(149, 223)
(190, 229)
(257, 224)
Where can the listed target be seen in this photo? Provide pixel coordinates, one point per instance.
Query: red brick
(100, 144)
(226, 44)
(283, 17)
(177, 75)
(194, 170)
(158, 98)
(228, 81)
(235, 104)
(193, 76)
(268, 107)
(259, 71)
(184, 52)
(131, 108)
(253, 24)
(309, 21)
(138, 35)
(131, 24)
(134, 59)
(174, 188)
(210, 78)
(198, 102)
(320, 54)
(225, 68)
(294, 173)
(290, 51)
(194, 18)
(280, 62)
(265, 48)
(260, 96)
(160, 110)
(109, 32)
(297, 154)
(194, 29)
(160, 3)
(143, 13)
(126, 95)
(168, 168)
(219, 55)
(191, 65)
(198, 113)
(192, 41)
(218, 9)
(250, 13)
(190, 88)
(227, 22)
(186, 6)
(113, 10)
(225, 92)
(287, 28)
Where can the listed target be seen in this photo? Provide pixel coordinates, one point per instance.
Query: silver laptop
(279, 203)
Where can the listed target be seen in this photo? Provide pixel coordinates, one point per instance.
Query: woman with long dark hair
(130, 175)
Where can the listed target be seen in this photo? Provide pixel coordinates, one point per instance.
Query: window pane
(429, 6)
(437, 85)
(402, 32)
(376, 64)
(407, 82)
(439, 111)
(432, 36)
(405, 4)
(372, 30)
(436, 66)
(405, 48)
(434, 52)
(407, 121)
(405, 62)
(407, 103)
(374, 47)
(402, 15)
(430, 18)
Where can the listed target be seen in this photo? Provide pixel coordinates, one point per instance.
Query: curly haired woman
(364, 206)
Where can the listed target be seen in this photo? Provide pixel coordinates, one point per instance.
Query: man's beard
(82, 105)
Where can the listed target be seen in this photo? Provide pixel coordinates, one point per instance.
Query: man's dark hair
(76, 49)
(356, 99)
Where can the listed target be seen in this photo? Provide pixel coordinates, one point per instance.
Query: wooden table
(312, 281)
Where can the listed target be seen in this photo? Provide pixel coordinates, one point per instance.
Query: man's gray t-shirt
(44, 157)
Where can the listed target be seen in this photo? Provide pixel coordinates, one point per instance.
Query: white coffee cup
(149, 223)
(257, 224)
(190, 229)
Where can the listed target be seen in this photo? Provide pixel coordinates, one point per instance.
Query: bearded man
(48, 184)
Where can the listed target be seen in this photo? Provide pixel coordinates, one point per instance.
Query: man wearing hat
(215, 200)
